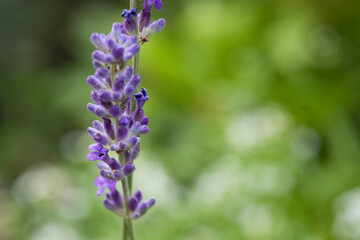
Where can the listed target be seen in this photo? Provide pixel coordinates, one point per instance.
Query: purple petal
(94, 156)
(99, 181)
(95, 147)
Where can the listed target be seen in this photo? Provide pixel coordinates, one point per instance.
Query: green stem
(128, 231)
(135, 65)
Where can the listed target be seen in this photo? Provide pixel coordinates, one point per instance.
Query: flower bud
(129, 90)
(119, 83)
(103, 166)
(98, 41)
(95, 96)
(155, 27)
(99, 56)
(111, 44)
(138, 195)
(127, 73)
(118, 175)
(120, 146)
(109, 127)
(131, 51)
(95, 83)
(144, 19)
(129, 169)
(115, 111)
(98, 126)
(105, 95)
(129, 22)
(118, 53)
(97, 64)
(116, 96)
(132, 141)
(138, 115)
(106, 174)
(104, 73)
(117, 31)
(110, 205)
(135, 81)
(98, 136)
(150, 202)
(141, 98)
(144, 130)
(124, 121)
(133, 203)
(97, 110)
(145, 121)
(158, 4)
(142, 208)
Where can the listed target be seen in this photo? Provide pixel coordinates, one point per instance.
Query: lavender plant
(116, 102)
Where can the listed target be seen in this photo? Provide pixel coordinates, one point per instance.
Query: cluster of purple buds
(120, 108)
(146, 28)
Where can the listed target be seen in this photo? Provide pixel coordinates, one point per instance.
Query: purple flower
(99, 152)
(158, 4)
(129, 14)
(144, 19)
(98, 110)
(115, 111)
(142, 208)
(148, 3)
(121, 124)
(114, 201)
(116, 47)
(102, 183)
(133, 203)
(98, 136)
(129, 169)
(141, 98)
(110, 128)
(95, 83)
(129, 21)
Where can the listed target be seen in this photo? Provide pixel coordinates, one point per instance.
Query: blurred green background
(254, 115)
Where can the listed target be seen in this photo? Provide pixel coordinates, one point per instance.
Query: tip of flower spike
(142, 95)
(148, 3)
(129, 13)
(158, 4)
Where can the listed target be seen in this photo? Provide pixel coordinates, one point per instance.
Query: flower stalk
(121, 110)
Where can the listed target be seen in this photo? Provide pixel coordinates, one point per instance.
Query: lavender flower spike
(121, 119)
